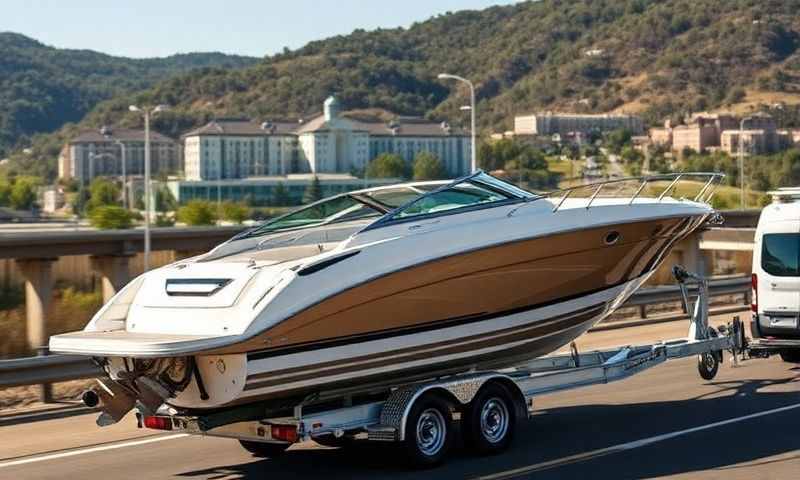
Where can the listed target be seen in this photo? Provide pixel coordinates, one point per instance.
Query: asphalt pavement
(664, 423)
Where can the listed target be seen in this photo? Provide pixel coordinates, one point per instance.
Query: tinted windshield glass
(464, 194)
(394, 197)
(337, 209)
(780, 254)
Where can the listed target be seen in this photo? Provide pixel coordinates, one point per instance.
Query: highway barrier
(44, 370)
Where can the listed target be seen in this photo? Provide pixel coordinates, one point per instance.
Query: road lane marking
(82, 451)
(580, 457)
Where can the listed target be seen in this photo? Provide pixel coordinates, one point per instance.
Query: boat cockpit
(322, 225)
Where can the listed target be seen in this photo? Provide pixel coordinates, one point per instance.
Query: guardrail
(44, 370)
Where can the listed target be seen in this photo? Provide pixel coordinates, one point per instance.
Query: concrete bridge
(110, 250)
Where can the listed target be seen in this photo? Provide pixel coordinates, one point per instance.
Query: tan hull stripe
(511, 335)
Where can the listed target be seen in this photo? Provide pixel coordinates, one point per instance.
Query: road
(665, 423)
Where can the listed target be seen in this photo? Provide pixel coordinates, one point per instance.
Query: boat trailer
(487, 403)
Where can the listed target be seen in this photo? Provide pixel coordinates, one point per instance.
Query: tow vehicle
(421, 416)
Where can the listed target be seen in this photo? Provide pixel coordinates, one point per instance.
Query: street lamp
(121, 146)
(147, 112)
(741, 160)
(447, 76)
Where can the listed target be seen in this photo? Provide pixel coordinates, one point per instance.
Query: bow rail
(704, 195)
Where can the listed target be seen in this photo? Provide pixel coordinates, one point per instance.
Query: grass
(70, 310)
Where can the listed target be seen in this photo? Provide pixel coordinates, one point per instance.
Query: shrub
(235, 212)
(197, 212)
(110, 217)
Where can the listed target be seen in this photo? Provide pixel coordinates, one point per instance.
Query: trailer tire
(708, 365)
(790, 356)
(262, 449)
(428, 431)
(490, 420)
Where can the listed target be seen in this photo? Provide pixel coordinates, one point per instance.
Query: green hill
(42, 88)
(658, 58)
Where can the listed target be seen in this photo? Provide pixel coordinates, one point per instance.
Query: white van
(776, 274)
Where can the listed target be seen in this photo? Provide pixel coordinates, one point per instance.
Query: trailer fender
(461, 391)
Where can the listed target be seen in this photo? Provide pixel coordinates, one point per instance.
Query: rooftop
(241, 126)
(123, 134)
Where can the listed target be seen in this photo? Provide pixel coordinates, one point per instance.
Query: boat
(382, 286)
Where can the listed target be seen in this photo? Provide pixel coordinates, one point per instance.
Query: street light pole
(147, 200)
(124, 174)
(742, 203)
(447, 76)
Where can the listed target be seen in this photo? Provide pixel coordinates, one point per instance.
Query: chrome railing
(704, 195)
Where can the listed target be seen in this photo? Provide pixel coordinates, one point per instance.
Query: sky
(148, 28)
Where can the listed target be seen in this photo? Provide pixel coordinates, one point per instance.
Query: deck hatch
(195, 287)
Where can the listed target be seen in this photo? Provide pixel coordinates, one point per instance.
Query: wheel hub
(494, 420)
(431, 432)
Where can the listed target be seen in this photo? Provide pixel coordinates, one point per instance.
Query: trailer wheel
(708, 365)
(490, 420)
(262, 449)
(790, 356)
(428, 431)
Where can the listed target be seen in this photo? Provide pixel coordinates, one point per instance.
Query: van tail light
(754, 293)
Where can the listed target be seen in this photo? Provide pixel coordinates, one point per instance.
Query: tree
(235, 212)
(280, 195)
(313, 191)
(110, 217)
(428, 167)
(387, 165)
(5, 193)
(164, 200)
(197, 212)
(23, 193)
(102, 192)
(617, 139)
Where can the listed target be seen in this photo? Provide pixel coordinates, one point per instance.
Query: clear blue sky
(148, 28)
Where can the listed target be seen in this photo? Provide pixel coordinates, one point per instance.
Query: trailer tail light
(754, 293)
(285, 433)
(158, 423)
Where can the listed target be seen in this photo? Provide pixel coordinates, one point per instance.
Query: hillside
(42, 88)
(657, 58)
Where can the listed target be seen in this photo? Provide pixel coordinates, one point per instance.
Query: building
(566, 123)
(53, 199)
(753, 142)
(239, 148)
(661, 136)
(697, 137)
(721, 130)
(99, 153)
(330, 142)
(263, 191)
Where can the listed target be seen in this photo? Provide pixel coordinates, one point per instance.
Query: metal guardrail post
(45, 389)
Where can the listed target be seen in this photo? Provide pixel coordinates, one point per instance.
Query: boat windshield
(478, 190)
(341, 208)
(385, 204)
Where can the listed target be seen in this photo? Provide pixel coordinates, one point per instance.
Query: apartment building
(327, 143)
(99, 153)
(565, 123)
(697, 137)
(238, 148)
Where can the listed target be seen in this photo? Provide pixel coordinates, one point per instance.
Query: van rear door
(779, 280)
